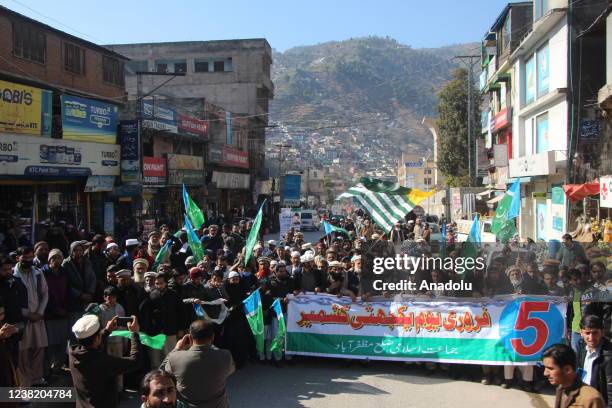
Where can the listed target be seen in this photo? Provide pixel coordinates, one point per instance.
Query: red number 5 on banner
(525, 321)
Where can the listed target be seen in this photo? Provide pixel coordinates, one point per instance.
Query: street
(322, 383)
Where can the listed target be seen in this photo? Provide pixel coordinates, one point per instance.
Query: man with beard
(15, 297)
(149, 281)
(162, 312)
(153, 246)
(128, 294)
(140, 266)
(193, 289)
(515, 275)
(114, 257)
(237, 241)
(81, 279)
(158, 390)
(99, 261)
(310, 279)
(111, 276)
(212, 240)
(263, 270)
(237, 336)
(366, 280)
(282, 254)
(34, 340)
(41, 254)
(295, 269)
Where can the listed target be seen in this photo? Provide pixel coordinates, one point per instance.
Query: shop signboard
(192, 126)
(291, 187)
(184, 162)
(34, 156)
(231, 180)
(285, 221)
(159, 116)
(215, 153)
(539, 195)
(541, 164)
(89, 120)
(97, 184)
(605, 191)
(154, 170)
(557, 223)
(187, 177)
(501, 119)
(25, 109)
(130, 147)
(234, 158)
(589, 129)
(557, 194)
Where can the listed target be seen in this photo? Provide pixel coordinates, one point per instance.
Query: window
(530, 80)
(227, 65)
(112, 71)
(132, 67)
(543, 72)
(29, 43)
(542, 144)
(541, 8)
(201, 66)
(428, 181)
(74, 59)
(171, 66)
(219, 66)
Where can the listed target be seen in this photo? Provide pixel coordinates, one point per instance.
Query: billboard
(291, 188)
(154, 170)
(192, 126)
(25, 109)
(159, 116)
(89, 120)
(34, 156)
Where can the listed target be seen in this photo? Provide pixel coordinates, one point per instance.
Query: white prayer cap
(124, 273)
(272, 242)
(307, 245)
(131, 242)
(375, 236)
(86, 326)
(233, 274)
(307, 257)
(355, 258)
(150, 273)
(112, 245)
(295, 253)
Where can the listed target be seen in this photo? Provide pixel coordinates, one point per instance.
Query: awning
(496, 199)
(485, 193)
(576, 192)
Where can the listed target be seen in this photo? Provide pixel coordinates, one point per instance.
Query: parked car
(310, 220)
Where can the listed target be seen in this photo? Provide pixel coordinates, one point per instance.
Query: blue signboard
(159, 116)
(128, 139)
(291, 189)
(89, 120)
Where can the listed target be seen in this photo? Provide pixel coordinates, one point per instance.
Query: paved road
(331, 383)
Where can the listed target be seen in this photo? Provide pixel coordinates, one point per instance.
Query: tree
(453, 141)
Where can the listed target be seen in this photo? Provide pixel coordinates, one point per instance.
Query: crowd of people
(79, 292)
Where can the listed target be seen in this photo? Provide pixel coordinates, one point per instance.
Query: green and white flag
(508, 208)
(253, 234)
(192, 210)
(155, 342)
(163, 255)
(194, 241)
(254, 315)
(278, 343)
(387, 203)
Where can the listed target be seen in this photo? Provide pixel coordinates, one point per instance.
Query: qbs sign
(25, 109)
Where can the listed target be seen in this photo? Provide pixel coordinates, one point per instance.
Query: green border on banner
(478, 351)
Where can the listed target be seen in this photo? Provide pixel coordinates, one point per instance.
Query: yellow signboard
(24, 109)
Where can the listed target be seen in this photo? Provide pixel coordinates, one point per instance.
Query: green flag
(252, 239)
(155, 342)
(508, 208)
(194, 241)
(193, 211)
(278, 343)
(254, 315)
(163, 255)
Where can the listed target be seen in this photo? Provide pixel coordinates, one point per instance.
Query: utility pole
(280, 160)
(470, 61)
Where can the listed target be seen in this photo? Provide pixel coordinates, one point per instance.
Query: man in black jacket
(162, 312)
(595, 360)
(15, 297)
(94, 373)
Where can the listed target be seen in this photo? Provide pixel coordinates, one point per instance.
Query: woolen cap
(86, 326)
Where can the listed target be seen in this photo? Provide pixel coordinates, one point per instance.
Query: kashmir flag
(254, 315)
(194, 241)
(253, 234)
(192, 210)
(387, 203)
(163, 255)
(329, 228)
(470, 247)
(278, 342)
(508, 208)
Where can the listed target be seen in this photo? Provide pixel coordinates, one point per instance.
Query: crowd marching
(77, 294)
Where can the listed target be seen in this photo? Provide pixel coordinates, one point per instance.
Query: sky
(285, 24)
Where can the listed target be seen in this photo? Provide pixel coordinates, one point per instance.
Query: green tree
(453, 141)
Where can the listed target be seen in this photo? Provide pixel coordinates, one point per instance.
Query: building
(233, 75)
(555, 69)
(58, 128)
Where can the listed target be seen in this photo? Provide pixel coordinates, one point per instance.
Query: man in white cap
(295, 268)
(270, 251)
(94, 373)
(131, 246)
(311, 279)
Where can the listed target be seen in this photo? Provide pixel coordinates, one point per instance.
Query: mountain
(375, 87)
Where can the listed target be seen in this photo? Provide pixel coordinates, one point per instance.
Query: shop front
(53, 181)
(231, 181)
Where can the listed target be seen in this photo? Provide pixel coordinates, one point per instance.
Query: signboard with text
(25, 109)
(605, 191)
(89, 120)
(154, 170)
